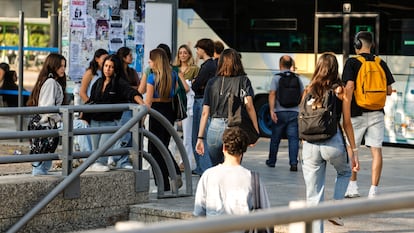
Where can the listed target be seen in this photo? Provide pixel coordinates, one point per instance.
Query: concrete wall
(104, 199)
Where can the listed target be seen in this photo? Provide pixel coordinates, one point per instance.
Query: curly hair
(235, 141)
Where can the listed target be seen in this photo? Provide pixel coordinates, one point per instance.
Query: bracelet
(202, 138)
(355, 149)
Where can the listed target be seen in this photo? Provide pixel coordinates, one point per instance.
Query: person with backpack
(370, 79)
(284, 97)
(323, 103)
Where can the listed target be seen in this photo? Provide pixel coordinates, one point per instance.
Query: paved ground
(284, 186)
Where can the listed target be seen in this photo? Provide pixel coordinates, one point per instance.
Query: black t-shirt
(350, 73)
(207, 71)
(218, 90)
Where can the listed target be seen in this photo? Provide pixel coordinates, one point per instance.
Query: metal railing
(278, 216)
(70, 185)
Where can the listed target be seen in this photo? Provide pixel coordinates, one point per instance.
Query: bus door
(335, 32)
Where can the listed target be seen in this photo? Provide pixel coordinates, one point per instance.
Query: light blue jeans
(98, 140)
(41, 168)
(124, 141)
(215, 140)
(203, 162)
(315, 156)
(84, 141)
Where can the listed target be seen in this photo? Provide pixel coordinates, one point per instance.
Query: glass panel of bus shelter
(330, 35)
(357, 25)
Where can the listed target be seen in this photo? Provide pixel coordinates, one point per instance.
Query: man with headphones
(368, 124)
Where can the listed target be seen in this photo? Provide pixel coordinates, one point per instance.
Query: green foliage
(11, 39)
(39, 40)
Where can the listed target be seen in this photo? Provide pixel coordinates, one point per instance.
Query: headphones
(364, 34)
(357, 41)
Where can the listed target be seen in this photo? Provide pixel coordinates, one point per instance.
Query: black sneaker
(294, 168)
(269, 164)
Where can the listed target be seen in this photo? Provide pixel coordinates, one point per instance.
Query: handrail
(278, 216)
(67, 132)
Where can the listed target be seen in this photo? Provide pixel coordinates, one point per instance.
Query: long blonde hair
(162, 71)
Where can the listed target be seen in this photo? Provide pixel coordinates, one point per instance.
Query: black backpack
(318, 123)
(289, 93)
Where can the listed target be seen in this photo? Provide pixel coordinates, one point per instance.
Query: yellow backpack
(370, 85)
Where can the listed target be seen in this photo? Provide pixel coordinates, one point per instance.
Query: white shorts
(369, 126)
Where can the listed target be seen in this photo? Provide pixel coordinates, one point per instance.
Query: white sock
(353, 184)
(373, 189)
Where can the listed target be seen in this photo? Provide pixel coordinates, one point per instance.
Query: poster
(107, 24)
(78, 13)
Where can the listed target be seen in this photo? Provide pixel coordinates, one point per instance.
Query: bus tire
(264, 121)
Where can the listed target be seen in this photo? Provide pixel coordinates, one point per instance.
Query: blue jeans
(43, 167)
(315, 156)
(203, 162)
(98, 140)
(124, 141)
(84, 141)
(215, 140)
(287, 123)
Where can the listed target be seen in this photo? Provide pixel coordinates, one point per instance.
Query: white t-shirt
(226, 190)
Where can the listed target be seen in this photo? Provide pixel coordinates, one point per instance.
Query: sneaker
(294, 168)
(269, 164)
(97, 167)
(179, 181)
(352, 190)
(127, 166)
(111, 163)
(338, 221)
(373, 192)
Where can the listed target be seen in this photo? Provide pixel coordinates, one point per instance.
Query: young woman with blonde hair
(187, 70)
(161, 84)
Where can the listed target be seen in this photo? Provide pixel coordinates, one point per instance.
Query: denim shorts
(369, 126)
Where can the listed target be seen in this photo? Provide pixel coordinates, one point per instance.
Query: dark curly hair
(235, 140)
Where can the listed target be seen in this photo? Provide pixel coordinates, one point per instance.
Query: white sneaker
(352, 190)
(127, 166)
(338, 221)
(111, 163)
(373, 192)
(97, 167)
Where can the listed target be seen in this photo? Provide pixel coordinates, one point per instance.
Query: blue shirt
(151, 81)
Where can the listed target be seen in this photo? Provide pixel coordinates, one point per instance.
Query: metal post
(345, 37)
(60, 33)
(316, 33)
(54, 32)
(21, 64)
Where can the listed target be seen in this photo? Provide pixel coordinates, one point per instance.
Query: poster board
(108, 24)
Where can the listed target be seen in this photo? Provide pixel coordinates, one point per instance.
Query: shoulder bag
(180, 101)
(237, 113)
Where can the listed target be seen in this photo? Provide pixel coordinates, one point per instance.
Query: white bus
(264, 30)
